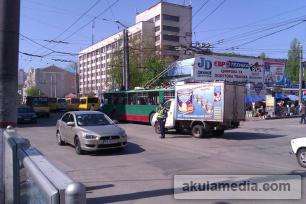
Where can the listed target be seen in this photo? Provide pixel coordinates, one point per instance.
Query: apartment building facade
(52, 81)
(172, 26)
(162, 27)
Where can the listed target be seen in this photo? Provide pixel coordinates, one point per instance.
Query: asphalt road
(143, 172)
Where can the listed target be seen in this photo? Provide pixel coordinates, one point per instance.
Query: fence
(30, 178)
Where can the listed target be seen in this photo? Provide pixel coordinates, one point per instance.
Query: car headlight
(91, 137)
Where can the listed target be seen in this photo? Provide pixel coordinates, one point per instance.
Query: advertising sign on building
(274, 72)
(210, 68)
(256, 89)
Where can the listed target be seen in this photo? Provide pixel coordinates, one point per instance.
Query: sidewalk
(271, 118)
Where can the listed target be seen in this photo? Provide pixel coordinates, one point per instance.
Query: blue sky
(234, 23)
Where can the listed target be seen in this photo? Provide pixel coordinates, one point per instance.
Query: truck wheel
(157, 128)
(218, 133)
(197, 131)
(301, 157)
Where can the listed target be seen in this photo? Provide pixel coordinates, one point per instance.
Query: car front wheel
(77, 146)
(301, 157)
(59, 139)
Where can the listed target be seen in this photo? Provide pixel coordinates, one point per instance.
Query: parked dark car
(26, 114)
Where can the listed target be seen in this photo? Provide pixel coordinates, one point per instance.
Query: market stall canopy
(251, 99)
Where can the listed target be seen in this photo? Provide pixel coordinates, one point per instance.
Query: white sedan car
(298, 146)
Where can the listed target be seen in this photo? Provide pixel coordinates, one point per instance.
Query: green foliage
(262, 56)
(34, 91)
(144, 65)
(115, 72)
(293, 64)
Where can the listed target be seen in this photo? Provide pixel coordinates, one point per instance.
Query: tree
(144, 64)
(293, 64)
(34, 91)
(262, 56)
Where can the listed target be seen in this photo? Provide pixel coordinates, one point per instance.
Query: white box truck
(206, 108)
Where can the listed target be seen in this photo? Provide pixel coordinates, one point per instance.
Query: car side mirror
(115, 121)
(70, 124)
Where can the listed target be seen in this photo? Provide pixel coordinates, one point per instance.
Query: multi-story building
(172, 25)
(163, 27)
(52, 81)
(22, 76)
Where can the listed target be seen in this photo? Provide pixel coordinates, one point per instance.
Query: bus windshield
(61, 100)
(40, 102)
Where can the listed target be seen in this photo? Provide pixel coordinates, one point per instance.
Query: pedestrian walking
(161, 117)
(303, 112)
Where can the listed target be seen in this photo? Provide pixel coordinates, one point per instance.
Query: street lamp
(125, 64)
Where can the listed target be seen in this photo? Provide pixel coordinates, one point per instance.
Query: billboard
(256, 89)
(211, 67)
(274, 72)
(200, 101)
(182, 68)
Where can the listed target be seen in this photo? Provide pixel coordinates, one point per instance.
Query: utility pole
(125, 71)
(9, 46)
(301, 76)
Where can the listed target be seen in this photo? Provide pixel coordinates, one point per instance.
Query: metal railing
(30, 178)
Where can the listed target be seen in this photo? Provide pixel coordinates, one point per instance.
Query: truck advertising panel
(200, 101)
(223, 68)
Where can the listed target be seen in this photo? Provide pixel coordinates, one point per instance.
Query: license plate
(109, 141)
(27, 119)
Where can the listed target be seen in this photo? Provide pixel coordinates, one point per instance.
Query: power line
(278, 31)
(231, 29)
(197, 11)
(80, 28)
(78, 19)
(195, 27)
(255, 31)
(53, 51)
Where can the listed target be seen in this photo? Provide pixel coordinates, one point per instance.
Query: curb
(285, 117)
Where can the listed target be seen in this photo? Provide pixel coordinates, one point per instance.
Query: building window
(171, 18)
(171, 28)
(157, 38)
(173, 38)
(157, 28)
(157, 18)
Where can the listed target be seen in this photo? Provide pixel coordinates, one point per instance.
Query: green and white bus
(134, 105)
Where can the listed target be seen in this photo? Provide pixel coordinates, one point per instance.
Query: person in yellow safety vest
(161, 117)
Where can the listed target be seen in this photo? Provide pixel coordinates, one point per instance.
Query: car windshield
(92, 120)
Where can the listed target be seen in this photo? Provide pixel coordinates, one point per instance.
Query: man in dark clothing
(303, 112)
(161, 117)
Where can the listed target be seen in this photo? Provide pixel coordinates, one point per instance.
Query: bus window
(83, 101)
(93, 100)
(75, 100)
(153, 98)
(132, 99)
(143, 98)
